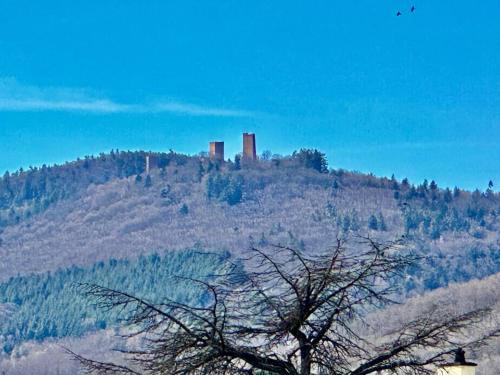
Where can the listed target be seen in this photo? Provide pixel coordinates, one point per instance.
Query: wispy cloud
(196, 110)
(15, 97)
(34, 104)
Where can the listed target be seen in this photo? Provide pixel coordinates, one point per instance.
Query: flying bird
(398, 13)
(413, 8)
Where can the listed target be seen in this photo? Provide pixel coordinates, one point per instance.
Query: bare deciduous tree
(287, 313)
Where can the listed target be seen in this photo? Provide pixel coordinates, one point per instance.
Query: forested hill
(25, 193)
(107, 207)
(104, 219)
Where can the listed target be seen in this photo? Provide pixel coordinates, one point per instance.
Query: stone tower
(151, 162)
(249, 149)
(148, 165)
(216, 151)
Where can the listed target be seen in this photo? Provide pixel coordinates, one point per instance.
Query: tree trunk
(305, 359)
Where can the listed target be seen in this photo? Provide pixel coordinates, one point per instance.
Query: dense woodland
(427, 208)
(56, 222)
(102, 207)
(25, 193)
(50, 305)
(60, 310)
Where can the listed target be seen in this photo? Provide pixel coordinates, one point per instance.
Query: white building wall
(457, 370)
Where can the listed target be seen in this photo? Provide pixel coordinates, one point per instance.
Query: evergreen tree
(311, 158)
(237, 162)
(373, 223)
(447, 195)
(233, 192)
(412, 193)
(436, 232)
(225, 188)
(381, 223)
(200, 171)
(184, 210)
(489, 192)
(354, 221)
(422, 189)
(346, 223)
(394, 183)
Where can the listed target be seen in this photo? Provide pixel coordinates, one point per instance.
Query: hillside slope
(191, 202)
(55, 219)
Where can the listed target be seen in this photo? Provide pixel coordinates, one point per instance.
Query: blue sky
(416, 95)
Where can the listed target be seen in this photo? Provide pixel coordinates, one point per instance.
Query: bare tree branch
(289, 313)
